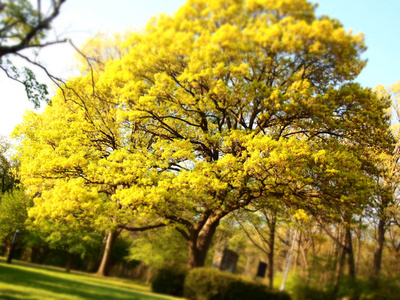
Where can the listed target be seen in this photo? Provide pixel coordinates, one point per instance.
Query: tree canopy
(7, 180)
(223, 104)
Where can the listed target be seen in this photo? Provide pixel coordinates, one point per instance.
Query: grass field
(20, 281)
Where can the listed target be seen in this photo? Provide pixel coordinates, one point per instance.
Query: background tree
(386, 200)
(261, 227)
(13, 214)
(158, 248)
(7, 180)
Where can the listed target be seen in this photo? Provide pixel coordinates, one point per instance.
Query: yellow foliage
(205, 111)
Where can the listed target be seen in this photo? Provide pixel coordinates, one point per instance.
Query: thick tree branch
(43, 24)
(144, 228)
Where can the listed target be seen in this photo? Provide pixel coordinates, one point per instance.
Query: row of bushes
(362, 288)
(211, 284)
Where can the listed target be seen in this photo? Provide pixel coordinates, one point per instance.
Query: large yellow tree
(224, 103)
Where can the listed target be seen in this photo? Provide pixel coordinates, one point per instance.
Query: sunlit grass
(29, 282)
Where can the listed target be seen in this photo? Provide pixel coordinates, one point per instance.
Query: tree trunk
(339, 272)
(69, 263)
(43, 255)
(289, 261)
(199, 243)
(297, 260)
(149, 274)
(270, 255)
(34, 254)
(106, 258)
(337, 253)
(350, 253)
(358, 249)
(304, 253)
(351, 263)
(379, 249)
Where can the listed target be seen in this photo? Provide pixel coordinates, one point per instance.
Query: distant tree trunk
(34, 254)
(379, 248)
(289, 261)
(149, 274)
(337, 252)
(297, 252)
(199, 242)
(43, 255)
(106, 258)
(270, 254)
(342, 261)
(351, 263)
(347, 249)
(350, 254)
(69, 263)
(304, 253)
(359, 234)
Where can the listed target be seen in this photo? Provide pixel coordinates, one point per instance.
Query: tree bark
(379, 248)
(106, 258)
(339, 272)
(289, 261)
(43, 255)
(69, 263)
(351, 263)
(350, 254)
(270, 254)
(199, 242)
(34, 254)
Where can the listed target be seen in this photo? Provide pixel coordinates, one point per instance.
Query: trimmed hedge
(211, 284)
(169, 281)
(207, 284)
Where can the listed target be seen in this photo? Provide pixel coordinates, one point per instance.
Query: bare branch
(42, 25)
(144, 228)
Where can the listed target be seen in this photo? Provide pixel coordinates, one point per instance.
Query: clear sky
(82, 19)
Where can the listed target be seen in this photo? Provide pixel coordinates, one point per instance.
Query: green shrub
(310, 288)
(245, 290)
(242, 290)
(169, 280)
(306, 292)
(378, 289)
(211, 284)
(362, 288)
(207, 284)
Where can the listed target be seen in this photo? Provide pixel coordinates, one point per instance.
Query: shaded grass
(28, 282)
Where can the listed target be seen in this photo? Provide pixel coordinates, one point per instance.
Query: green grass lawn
(19, 281)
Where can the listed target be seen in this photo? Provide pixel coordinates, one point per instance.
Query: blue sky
(81, 19)
(380, 23)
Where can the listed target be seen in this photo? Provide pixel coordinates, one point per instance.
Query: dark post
(13, 244)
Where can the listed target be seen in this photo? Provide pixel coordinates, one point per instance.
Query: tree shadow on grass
(63, 287)
(8, 294)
